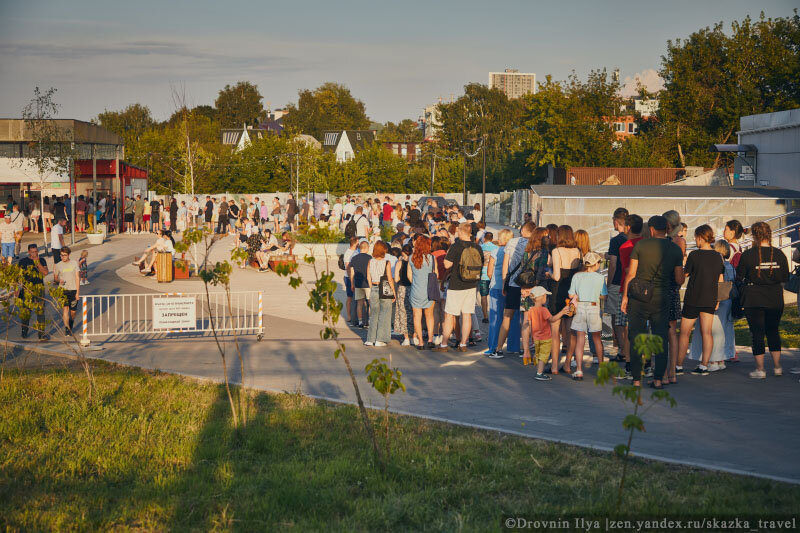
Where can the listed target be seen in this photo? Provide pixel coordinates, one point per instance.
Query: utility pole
(483, 197)
(433, 168)
(464, 183)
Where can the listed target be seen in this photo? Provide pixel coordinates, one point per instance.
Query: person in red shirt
(387, 211)
(634, 224)
(541, 322)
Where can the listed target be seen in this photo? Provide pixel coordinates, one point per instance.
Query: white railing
(114, 315)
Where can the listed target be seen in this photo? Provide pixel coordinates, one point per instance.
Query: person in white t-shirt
(57, 239)
(362, 223)
(66, 275)
(348, 285)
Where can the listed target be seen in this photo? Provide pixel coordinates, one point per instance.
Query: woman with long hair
(722, 330)
(566, 262)
(534, 258)
(420, 265)
(380, 309)
(674, 228)
(276, 214)
(705, 269)
(764, 269)
(582, 241)
(497, 300)
(403, 313)
(732, 233)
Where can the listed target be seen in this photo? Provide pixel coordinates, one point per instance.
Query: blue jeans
(380, 318)
(497, 303)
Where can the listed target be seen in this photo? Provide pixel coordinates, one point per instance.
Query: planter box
(320, 251)
(95, 238)
(276, 260)
(181, 270)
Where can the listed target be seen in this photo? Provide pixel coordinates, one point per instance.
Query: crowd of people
(543, 293)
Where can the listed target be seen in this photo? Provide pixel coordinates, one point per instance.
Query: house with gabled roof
(346, 143)
(240, 138)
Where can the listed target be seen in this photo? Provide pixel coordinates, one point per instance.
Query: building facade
(346, 143)
(776, 161)
(513, 82)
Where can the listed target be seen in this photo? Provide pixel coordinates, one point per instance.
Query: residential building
(410, 151)
(431, 121)
(241, 138)
(346, 143)
(513, 82)
(646, 107)
(623, 126)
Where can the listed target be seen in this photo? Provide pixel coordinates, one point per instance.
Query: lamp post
(483, 194)
(465, 177)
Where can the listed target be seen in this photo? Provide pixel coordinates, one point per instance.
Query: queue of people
(543, 295)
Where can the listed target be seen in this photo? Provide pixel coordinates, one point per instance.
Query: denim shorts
(8, 249)
(348, 287)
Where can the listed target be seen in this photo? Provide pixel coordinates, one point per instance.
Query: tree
(131, 124)
(239, 105)
(406, 130)
(711, 79)
(50, 153)
(331, 106)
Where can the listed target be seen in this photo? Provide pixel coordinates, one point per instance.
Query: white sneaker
(758, 374)
(369, 343)
(380, 344)
(721, 365)
(713, 367)
(406, 342)
(416, 341)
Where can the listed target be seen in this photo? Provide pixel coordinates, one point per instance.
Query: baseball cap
(591, 259)
(539, 291)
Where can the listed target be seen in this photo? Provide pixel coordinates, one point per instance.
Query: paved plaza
(724, 421)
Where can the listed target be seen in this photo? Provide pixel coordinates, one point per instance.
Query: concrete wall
(778, 160)
(594, 214)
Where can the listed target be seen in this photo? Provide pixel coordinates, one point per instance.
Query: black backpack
(341, 262)
(350, 229)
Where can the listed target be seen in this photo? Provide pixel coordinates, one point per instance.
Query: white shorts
(460, 302)
(587, 318)
(362, 294)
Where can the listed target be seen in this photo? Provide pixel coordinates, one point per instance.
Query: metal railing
(114, 315)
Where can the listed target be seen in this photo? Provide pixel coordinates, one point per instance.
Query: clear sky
(395, 56)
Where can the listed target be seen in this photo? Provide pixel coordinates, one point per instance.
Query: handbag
(793, 285)
(434, 293)
(640, 290)
(724, 290)
(385, 291)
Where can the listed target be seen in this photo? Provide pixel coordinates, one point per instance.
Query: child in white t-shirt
(585, 292)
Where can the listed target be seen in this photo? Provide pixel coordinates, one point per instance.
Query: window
(404, 150)
(619, 127)
(358, 136)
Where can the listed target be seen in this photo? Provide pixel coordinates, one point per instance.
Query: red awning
(106, 169)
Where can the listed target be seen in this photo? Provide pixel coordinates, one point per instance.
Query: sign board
(174, 313)
(747, 169)
(747, 177)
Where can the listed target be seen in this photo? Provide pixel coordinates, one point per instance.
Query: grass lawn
(789, 328)
(157, 452)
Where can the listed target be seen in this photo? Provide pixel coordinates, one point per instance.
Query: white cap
(539, 291)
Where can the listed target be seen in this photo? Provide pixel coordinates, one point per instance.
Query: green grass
(157, 452)
(789, 329)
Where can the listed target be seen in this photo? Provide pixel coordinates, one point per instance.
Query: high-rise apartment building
(513, 82)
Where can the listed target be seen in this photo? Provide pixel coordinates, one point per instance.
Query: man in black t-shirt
(619, 321)
(154, 220)
(656, 263)
(461, 296)
(35, 268)
(209, 213)
(358, 276)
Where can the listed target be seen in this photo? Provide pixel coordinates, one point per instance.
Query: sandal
(577, 376)
(652, 385)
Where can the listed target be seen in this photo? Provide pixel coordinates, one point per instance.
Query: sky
(397, 57)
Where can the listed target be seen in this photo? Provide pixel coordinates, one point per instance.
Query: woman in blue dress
(421, 264)
(497, 301)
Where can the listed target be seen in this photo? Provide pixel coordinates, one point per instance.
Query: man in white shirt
(66, 276)
(57, 239)
(348, 210)
(362, 223)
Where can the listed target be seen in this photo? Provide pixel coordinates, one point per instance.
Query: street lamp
(483, 194)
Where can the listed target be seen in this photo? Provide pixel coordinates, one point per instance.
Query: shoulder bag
(793, 285)
(640, 290)
(434, 292)
(724, 290)
(386, 292)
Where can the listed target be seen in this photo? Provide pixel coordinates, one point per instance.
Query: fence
(115, 315)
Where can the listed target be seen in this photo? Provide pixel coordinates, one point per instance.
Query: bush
(314, 234)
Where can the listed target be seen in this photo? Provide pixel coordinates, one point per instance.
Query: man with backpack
(358, 225)
(465, 261)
